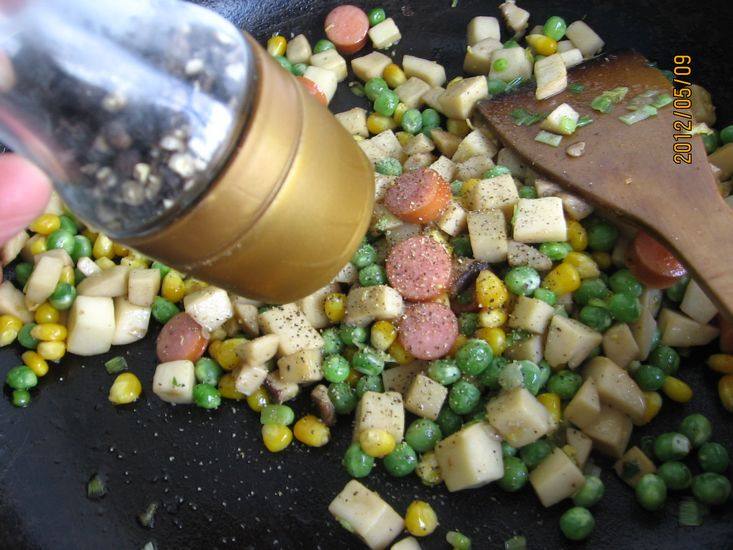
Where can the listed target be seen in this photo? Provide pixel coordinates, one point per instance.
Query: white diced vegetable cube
(372, 151)
(355, 121)
(412, 91)
(91, 325)
(382, 222)
(697, 305)
(369, 303)
(420, 160)
(497, 192)
(633, 466)
(616, 387)
(400, 378)
(460, 98)
(539, 220)
(551, 76)
(564, 46)
(453, 220)
(332, 61)
(478, 56)
(571, 58)
(619, 345)
(444, 166)
(260, 350)
(88, 267)
(556, 478)
(516, 18)
(12, 248)
(508, 159)
(109, 283)
(581, 443)
(246, 315)
(417, 144)
(249, 377)
(574, 206)
(483, 27)
(569, 341)
(59, 253)
(370, 66)
(385, 34)
(527, 349)
(55, 205)
(383, 411)
(291, 325)
(143, 286)
(519, 417)
(279, 390)
(555, 120)
(381, 184)
(173, 382)
(12, 302)
(645, 332)
(301, 367)
(447, 144)
(43, 281)
(470, 458)
(651, 298)
(585, 405)
(474, 168)
(425, 397)
(209, 307)
(431, 72)
(431, 98)
(584, 38)
(610, 431)
(517, 64)
(298, 50)
(524, 254)
(388, 142)
(325, 80)
(312, 305)
(487, 232)
(531, 314)
(474, 144)
(131, 322)
(408, 543)
(681, 331)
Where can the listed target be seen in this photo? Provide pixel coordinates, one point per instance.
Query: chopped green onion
(150, 545)
(602, 103)
(637, 116)
(644, 98)
(96, 488)
(147, 518)
(584, 120)
(116, 365)
(617, 95)
(548, 138)
(661, 100)
(357, 88)
(576, 87)
(691, 512)
(454, 4)
(514, 84)
(458, 541)
(516, 543)
(511, 43)
(567, 125)
(522, 117)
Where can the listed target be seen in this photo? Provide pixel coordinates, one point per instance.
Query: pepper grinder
(171, 131)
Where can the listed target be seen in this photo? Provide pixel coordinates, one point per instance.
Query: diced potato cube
(173, 382)
(616, 387)
(12, 248)
(431, 98)
(584, 38)
(260, 350)
(383, 221)
(619, 345)
(680, 331)
(43, 281)
(312, 306)
(524, 254)
(574, 206)
(569, 341)
(487, 232)
(420, 160)
(290, 324)
(55, 204)
(323, 78)
(301, 367)
(453, 220)
(539, 220)
(381, 184)
(383, 411)
(249, 377)
(365, 513)
(400, 378)
(519, 417)
(88, 267)
(483, 27)
(551, 76)
(385, 34)
(531, 314)
(355, 121)
(370, 66)
(517, 64)
(131, 322)
(347, 275)
(425, 397)
(332, 61)
(417, 144)
(372, 151)
(412, 91)
(280, 391)
(470, 458)
(109, 283)
(368, 303)
(459, 99)
(478, 56)
(474, 144)
(555, 120)
(571, 58)
(509, 159)
(404, 231)
(516, 18)
(389, 143)
(651, 298)
(585, 406)
(408, 543)
(298, 50)
(697, 305)
(563, 45)
(581, 443)
(633, 466)
(209, 307)
(475, 167)
(246, 315)
(12, 302)
(143, 286)
(59, 253)
(527, 349)
(447, 144)
(644, 331)
(497, 192)
(91, 325)
(431, 72)
(610, 431)
(556, 478)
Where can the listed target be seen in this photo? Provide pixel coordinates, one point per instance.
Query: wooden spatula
(629, 172)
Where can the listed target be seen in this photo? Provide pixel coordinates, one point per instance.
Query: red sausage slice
(418, 196)
(181, 338)
(428, 331)
(652, 263)
(347, 27)
(419, 268)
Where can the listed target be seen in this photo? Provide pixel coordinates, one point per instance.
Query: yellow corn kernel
(721, 362)
(35, 362)
(492, 318)
(125, 389)
(399, 111)
(133, 261)
(403, 137)
(89, 234)
(334, 306)
(495, 337)
(603, 259)
(228, 353)
(37, 244)
(67, 275)
(52, 351)
(461, 340)
(577, 236)
(258, 399)
(353, 377)
(218, 334)
(49, 332)
(491, 292)
(276, 437)
(382, 335)
(276, 45)
(457, 127)
(552, 402)
(456, 80)
(104, 263)
(541, 44)
(46, 313)
(376, 123)
(120, 250)
(376, 442)
(10, 322)
(466, 188)
(399, 353)
(393, 75)
(173, 288)
(563, 279)
(191, 285)
(585, 265)
(428, 469)
(227, 389)
(676, 389)
(312, 431)
(103, 247)
(45, 224)
(653, 404)
(7, 337)
(420, 519)
(725, 391)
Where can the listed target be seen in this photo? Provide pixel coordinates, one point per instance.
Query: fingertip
(24, 193)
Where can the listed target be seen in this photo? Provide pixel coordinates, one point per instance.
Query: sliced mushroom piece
(279, 390)
(464, 273)
(323, 403)
(519, 254)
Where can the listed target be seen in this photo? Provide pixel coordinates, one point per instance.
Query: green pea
(624, 308)
(430, 118)
(322, 45)
(496, 86)
(597, 318)
(386, 103)
(726, 134)
(602, 236)
(208, 371)
(676, 475)
(284, 63)
(298, 69)
(375, 87)
(547, 296)
(357, 463)
(696, 427)
(21, 378)
(467, 323)
(448, 421)
(388, 167)
(577, 523)
(500, 65)
(507, 450)
(369, 383)
(364, 256)
(527, 192)
(444, 371)
(277, 414)
(671, 446)
(490, 377)
(376, 16)
(24, 336)
(463, 397)
(555, 27)
(462, 246)
(665, 358)
(372, 275)
(21, 398)
(535, 452)
(646, 444)
(522, 280)
(63, 297)
(511, 43)
(163, 310)
(651, 492)
(455, 187)
(343, 397)
(649, 378)
(677, 291)
(68, 224)
(61, 239)
(400, 462)
(623, 281)
(78, 276)
(352, 335)
(335, 368)
(590, 493)
(474, 357)
(412, 121)
(331, 341)
(565, 383)
(591, 289)
(23, 271)
(206, 396)
(515, 475)
(423, 434)
(497, 170)
(556, 251)
(545, 372)
(532, 376)
(710, 141)
(366, 361)
(711, 489)
(164, 269)
(713, 457)
(511, 376)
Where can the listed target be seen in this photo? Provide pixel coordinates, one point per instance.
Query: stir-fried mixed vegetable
(490, 328)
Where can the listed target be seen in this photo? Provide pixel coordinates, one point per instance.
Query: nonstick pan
(215, 485)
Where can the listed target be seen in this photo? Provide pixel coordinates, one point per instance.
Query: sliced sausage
(418, 196)
(652, 263)
(181, 338)
(326, 409)
(428, 330)
(313, 89)
(347, 27)
(419, 268)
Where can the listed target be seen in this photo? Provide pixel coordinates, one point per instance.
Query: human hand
(24, 193)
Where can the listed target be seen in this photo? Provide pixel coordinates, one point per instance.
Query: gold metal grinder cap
(289, 208)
